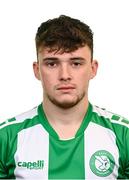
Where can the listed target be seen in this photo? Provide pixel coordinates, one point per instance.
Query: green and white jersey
(31, 149)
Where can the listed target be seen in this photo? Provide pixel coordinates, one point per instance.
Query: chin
(65, 104)
(68, 102)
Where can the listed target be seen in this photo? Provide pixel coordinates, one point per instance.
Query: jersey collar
(52, 132)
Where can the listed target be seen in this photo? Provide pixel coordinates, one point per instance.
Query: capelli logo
(39, 164)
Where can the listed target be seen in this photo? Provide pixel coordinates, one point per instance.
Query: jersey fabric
(31, 149)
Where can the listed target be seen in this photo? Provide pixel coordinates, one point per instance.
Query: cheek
(84, 76)
(84, 83)
(48, 80)
(83, 79)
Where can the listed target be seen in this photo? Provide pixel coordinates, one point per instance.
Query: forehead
(83, 52)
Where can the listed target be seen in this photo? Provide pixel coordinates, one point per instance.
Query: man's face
(65, 77)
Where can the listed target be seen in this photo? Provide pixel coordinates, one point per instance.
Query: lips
(65, 88)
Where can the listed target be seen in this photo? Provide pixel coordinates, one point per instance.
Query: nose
(65, 73)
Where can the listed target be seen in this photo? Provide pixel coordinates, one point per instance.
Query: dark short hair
(64, 34)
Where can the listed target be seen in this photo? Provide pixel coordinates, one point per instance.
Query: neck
(67, 119)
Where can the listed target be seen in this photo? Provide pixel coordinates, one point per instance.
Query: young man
(65, 137)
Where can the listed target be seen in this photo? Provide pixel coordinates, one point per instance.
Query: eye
(76, 63)
(51, 64)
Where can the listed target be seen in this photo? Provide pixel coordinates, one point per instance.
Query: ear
(36, 70)
(94, 68)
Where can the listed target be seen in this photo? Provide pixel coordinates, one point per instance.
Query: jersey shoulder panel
(113, 118)
(20, 119)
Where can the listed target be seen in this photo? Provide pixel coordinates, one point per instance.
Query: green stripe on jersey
(66, 158)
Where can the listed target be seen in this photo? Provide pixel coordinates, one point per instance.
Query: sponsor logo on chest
(39, 164)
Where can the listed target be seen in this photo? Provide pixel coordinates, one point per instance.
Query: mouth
(66, 88)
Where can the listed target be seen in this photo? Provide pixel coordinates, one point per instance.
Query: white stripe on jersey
(98, 138)
(32, 147)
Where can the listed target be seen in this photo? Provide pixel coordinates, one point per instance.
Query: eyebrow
(55, 58)
(49, 58)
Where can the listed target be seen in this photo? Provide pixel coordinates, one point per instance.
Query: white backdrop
(19, 20)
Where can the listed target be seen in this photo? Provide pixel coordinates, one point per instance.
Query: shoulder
(10, 128)
(110, 117)
(19, 119)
